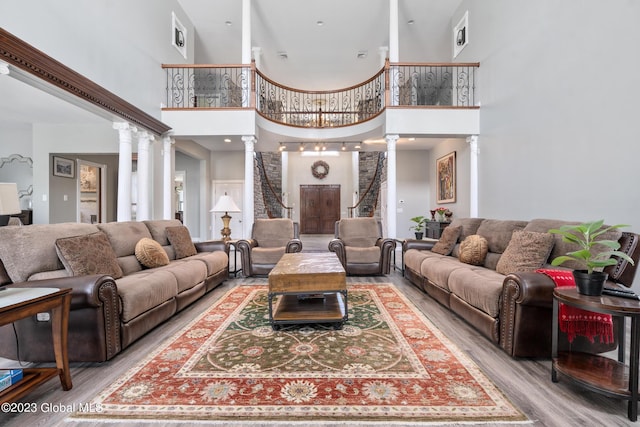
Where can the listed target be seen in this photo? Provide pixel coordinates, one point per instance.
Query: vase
(590, 283)
(441, 217)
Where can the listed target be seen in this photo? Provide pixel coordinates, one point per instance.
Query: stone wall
(268, 170)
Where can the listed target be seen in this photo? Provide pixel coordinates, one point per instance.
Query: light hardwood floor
(527, 383)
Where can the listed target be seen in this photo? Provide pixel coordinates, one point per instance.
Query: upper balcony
(423, 87)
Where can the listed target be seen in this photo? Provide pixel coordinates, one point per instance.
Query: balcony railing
(405, 85)
(207, 86)
(439, 85)
(320, 109)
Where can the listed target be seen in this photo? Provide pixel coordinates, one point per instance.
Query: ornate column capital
(249, 142)
(392, 140)
(473, 144)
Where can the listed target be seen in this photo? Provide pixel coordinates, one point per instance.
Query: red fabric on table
(576, 321)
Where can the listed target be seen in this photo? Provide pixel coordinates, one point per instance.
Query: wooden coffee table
(308, 287)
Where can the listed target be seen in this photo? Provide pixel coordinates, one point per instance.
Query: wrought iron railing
(441, 85)
(396, 85)
(320, 109)
(208, 86)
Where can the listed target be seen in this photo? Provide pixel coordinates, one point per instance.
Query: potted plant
(591, 279)
(420, 222)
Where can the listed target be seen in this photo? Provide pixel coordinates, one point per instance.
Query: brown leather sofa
(270, 239)
(107, 314)
(360, 247)
(514, 310)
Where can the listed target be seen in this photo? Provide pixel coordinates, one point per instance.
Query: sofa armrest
(337, 246)
(86, 291)
(387, 247)
(421, 245)
(294, 245)
(528, 289)
(525, 315)
(212, 246)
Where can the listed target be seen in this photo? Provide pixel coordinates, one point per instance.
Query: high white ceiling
(319, 57)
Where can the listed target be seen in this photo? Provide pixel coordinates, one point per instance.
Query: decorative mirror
(19, 169)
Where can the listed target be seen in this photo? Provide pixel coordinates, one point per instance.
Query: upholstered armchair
(270, 239)
(361, 248)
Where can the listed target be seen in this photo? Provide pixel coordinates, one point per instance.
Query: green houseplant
(593, 254)
(418, 227)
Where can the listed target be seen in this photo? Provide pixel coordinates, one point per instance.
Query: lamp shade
(9, 203)
(225, 204)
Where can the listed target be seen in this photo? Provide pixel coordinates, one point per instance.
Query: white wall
(559, 108)
(413, 186)
(119, 44)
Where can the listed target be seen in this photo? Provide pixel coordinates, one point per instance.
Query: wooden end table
(311, 288)
(20, 303)
(591, 371)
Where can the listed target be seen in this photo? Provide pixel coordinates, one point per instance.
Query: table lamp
(225, 204)
(9, 202)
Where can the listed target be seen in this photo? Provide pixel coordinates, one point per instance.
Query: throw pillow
(447, 241)
(180, 239)
(88, 254)
(527, 251)
(473, 250)
(150, 253)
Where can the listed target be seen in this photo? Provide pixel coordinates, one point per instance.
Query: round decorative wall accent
(320, 169)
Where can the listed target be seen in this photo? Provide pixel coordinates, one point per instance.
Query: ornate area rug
(388, 363)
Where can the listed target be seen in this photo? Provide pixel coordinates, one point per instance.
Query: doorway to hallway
(319, 208)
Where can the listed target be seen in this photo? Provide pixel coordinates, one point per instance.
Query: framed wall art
(64, 167)
(446, 178)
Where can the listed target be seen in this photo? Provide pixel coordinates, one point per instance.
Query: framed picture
(446, 178)
(64, 167)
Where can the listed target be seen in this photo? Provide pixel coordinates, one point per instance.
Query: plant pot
(419, 235)
(590, 284)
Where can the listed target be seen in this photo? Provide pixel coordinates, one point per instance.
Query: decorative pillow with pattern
(88, 254)
(447, 241)
(527, 251)
(150, 254)
(180, 239)
(473, 250)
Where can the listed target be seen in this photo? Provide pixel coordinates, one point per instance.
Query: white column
(246, 51)
(125, 133)
(473, 174)
(392, 208)
(143, 211)
(167, 177)
(394, 50)
(247, 215)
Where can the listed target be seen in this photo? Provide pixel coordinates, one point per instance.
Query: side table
(233, 246)
(434, 228)
(598, 373)
(20, 303)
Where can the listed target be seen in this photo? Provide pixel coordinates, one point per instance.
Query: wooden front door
(319, 208)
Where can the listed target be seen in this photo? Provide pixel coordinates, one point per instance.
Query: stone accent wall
(268, 169)
(368, 165)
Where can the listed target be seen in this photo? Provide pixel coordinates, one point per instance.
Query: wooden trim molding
(22, 55)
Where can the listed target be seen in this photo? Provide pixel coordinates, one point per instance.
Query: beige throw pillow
(150, 253)
(447, 241)
(527, 251)
(88, 254)
(180, 239)
(473, 250)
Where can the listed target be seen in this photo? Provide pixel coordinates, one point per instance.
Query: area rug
(388, 363)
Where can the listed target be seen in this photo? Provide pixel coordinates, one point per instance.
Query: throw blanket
(576, 321)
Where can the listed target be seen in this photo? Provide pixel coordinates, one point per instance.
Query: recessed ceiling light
(227, 140)
(228, 23)
(319, 23)
(362, 54)
(412, 139)
(283, 55)
(410, 21)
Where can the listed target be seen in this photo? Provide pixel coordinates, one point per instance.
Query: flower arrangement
(441, 212)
